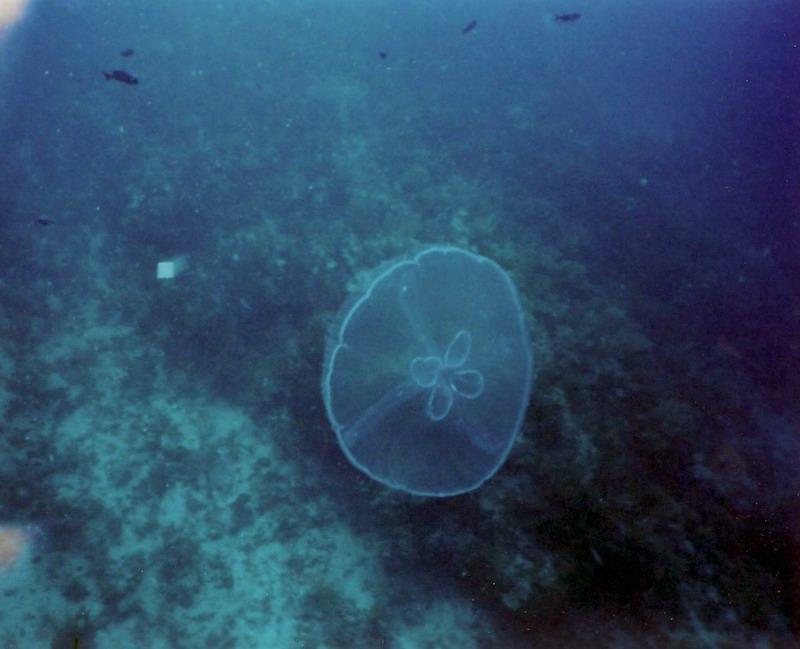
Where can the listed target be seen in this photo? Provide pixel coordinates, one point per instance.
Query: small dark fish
(122, 76)
(472, 24)
(567, 18)
(383, 55)
(126, 52)
(43, 219)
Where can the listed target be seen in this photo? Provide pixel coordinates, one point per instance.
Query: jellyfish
(428, 373)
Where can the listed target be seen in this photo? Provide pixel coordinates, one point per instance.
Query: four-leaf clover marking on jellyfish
(447, 377)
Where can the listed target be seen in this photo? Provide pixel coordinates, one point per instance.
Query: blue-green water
(168, 474)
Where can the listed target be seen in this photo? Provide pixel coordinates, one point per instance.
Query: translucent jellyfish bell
(428, 374)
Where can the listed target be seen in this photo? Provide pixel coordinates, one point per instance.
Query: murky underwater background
(168, 477)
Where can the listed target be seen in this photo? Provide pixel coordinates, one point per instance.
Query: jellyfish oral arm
(377, 412)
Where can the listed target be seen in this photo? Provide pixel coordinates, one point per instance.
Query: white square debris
(165, 270)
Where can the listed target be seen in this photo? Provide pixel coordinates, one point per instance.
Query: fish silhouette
(121, 76)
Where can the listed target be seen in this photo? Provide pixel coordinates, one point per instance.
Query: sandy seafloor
(175, 555)
(165, 445)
